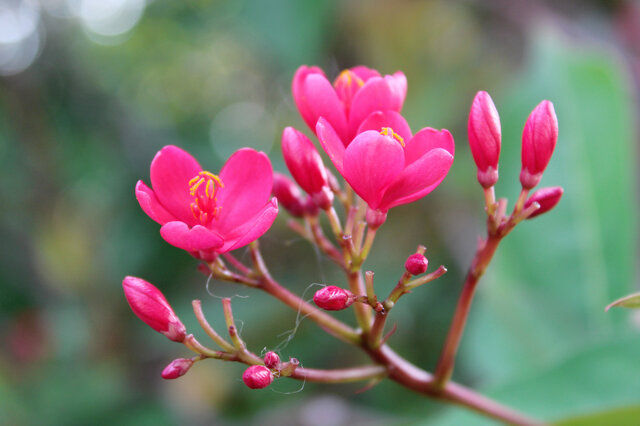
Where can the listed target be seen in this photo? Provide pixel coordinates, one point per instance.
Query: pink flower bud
(416, 264)
(288, 195)
(332, 298)
(538, 142)
(257, 377)
(148, 303)
(485, 138)
(303, 161)
(177, 368)
(546, 197)
(271, 360)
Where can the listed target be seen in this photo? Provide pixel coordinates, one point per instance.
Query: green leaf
(597, 377)
(618, 416)
(630, 301)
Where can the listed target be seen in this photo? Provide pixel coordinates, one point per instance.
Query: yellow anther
(195, 186)
(388, 131)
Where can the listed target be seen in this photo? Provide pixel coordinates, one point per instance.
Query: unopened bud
(323, 198)
(485, 138)
(177, 367)
(333, 298)
(303, 161)
(548, 198)
(271, 360)
(289, 195)
(149, 304)
(257, 377)
(416, 264)
(539, 139)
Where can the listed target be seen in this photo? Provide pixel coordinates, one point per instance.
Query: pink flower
(356, 93)
(149, 304)
(385, 164)
(205, 213)
(485, 138)
(539, 139)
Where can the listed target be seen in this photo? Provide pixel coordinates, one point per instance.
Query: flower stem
(447, 356)
(344, 375)
(197, 310)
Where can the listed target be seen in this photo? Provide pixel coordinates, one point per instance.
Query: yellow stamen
(195, 186)
(388, 131)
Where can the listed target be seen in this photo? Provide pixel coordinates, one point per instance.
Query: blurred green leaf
(630, 301)
(597, 377)
(618, 416)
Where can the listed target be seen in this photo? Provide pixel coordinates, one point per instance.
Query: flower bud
(332, 298)
(257, 377)
(289, 195)
(148, 303)
(271, 360)
(177, 367)
(538, 142)
(416, 264)
(485, 138)
(546, 197)
(323, 198)
(303, 161)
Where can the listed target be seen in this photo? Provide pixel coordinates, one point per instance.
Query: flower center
(203, 188)
(347, 85)
(388, 131)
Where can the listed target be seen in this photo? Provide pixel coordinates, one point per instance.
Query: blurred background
(91, 89)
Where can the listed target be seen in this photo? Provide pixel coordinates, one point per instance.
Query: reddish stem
(447, 357)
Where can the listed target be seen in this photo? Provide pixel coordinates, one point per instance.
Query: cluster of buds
(539, 139)
(150, 305)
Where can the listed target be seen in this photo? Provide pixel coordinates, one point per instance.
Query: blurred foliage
(80, 126)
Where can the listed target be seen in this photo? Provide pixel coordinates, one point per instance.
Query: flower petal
(299, 96)
(418, 179)
(379, 119)
(426, 140)
(171, 170)
(323, 101)
(375, 95)
(247, 178)
(364, 73)
(179, 234)
(252, 229)
(331, 143)
(150, 204)
(371, 163)
(398, 85)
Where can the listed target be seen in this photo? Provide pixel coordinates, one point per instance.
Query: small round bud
(332, 298)
(257, 377)
(271, 360)
(177, 367)
(416, 264)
